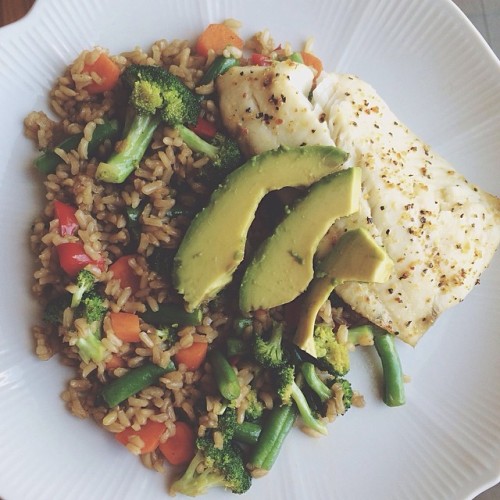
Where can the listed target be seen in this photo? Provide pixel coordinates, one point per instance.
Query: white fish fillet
(440, 231)
(264, 107)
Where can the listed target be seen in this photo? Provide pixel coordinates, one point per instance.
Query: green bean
(132, 382)
(172, 314)
(247, 432)
(394, 390)
(277, 426)
(224, 375)
(47, 162)
(220, 65)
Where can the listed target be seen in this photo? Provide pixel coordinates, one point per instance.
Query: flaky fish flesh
(440, 230)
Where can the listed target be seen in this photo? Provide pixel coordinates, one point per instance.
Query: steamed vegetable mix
(155, 95)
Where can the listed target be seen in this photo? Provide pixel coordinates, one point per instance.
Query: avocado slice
(214, 243)
(355, 257)
(283, 265)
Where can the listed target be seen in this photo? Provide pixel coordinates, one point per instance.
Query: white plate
(439, 76)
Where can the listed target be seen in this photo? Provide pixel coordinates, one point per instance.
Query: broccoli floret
(94, 308)
(155, 95)
(53, 312)
(289, 392)
(254, 408)
(224, 153)
(89, 327)
(154, 89)
(270, 353)
(212, 467)
(227, 422)
(346, 392)
(89, 346)
(85, 281)
(284, 378)
(168, 336)
(327, 347)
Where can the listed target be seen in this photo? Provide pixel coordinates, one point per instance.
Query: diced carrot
(150, 434)
(126, 326)
(122, 271)
(192, 356)
(217, 37)
(180, 448)
(311, 60)
(115, 361)
(108, 72)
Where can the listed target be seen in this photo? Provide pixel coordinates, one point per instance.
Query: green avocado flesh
(283, 265)
(214, 243)
(355, 257)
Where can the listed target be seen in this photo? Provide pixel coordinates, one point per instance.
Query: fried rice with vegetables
(210, 389)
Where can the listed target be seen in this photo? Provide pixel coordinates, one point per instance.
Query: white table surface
(485, 15)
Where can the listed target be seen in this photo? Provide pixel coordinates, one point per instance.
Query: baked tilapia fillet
(440, 230)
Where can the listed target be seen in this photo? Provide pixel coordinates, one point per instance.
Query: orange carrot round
(150, 434)
(126, 326)
(217, 37)
(123, 272)
(311, 60)
(108, 72)
(180, 448)
(192, 356)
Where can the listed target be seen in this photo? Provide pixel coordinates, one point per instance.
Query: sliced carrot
(108, 72)
(123, 272)
(150, 434)
(217, 37)
(311, 60)
(192, 356)
(126, 326)
(180, 448)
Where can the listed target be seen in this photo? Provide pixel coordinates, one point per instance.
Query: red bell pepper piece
(204, 128)
(72, 258)
(260, 60)
(68, 224)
